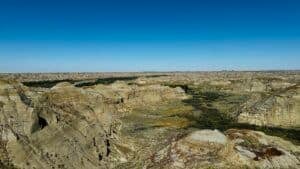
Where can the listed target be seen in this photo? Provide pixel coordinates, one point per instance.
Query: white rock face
(209, 136)
(237, 148)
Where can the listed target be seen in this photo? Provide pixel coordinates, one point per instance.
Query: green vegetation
(215, 109)
(46, 83)
(106, 81)
(82, 83)
(78, 83)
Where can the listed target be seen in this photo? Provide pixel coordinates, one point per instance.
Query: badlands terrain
(170, 120)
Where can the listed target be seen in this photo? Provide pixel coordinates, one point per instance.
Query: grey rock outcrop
(234, 149)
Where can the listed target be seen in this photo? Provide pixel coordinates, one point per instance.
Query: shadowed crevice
(39, 124)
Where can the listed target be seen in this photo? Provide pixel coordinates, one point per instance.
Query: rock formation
(144, 120)
(235, 149)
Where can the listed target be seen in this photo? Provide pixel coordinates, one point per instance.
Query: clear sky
(148, 35)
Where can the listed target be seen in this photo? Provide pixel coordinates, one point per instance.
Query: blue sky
(149, 35)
